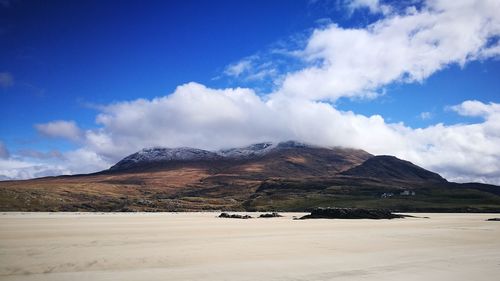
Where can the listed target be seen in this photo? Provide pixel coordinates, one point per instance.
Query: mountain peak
(252, 150)
(390, 167)
(156, 155)
(163, 154)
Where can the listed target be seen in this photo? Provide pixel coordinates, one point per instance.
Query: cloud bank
(197, 116)
(404, 47)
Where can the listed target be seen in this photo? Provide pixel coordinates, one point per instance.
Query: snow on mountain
(161, 154)
(253, 150)
(293, 144)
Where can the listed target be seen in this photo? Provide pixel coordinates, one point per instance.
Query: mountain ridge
(159, 155)
(287, 176)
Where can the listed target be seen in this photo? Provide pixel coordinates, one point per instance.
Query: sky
(86, 83)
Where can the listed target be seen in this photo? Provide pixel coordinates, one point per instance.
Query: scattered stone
(351, 213)
(494, 219)
(270, 215)
(234, 216)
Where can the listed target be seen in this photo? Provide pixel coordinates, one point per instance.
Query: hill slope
(265, 176)
(391, 168)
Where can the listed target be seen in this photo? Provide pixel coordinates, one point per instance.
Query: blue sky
(67, 54)
(72, 60)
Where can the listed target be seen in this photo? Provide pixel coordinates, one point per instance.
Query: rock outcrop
(350, 213)
(234, 216)
(270, 215)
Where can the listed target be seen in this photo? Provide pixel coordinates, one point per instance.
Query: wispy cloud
(426, 115)
(6, 79)
(60, 129)
(4, 153)
(31, 153)
(6, 3)
(253, 68)
(238, 68)
(374, 6)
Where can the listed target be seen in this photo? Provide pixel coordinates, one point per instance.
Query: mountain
(391, 168)
(289, 176)
(251, 151)
(156, 155)
(262, 160)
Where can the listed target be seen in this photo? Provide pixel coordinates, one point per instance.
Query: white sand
(199, 246)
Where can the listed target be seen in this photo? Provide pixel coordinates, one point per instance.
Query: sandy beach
(199, 246)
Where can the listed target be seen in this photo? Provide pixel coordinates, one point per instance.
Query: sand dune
(199, 246)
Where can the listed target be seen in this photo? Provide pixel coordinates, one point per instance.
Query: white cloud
(374, 6)
(83, 160)
(252, 68)
(193, 115)
(399, 48)
(476, 108)
(28, 164)
(425, 115)
(6, 79)
(20, 169)
(236, 69)
(60, 129)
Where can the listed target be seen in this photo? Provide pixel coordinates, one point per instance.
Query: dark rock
(270, 215)
(494, 219)
(234, 216)
(350, 213)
